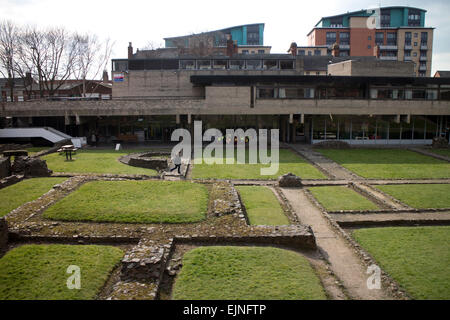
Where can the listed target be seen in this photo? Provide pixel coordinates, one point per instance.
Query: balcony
(407, 58)
(422, 58)
(422, 68)
(408, 46)
(388, 58)
(388, 47)
(423, 47)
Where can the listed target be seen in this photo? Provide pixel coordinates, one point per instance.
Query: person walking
(177, 162)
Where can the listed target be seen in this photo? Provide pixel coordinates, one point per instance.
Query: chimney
(293, 49)
(335, 50)
(105, 76)
(376, 51)
(28, 79)
(130, 51)
(231, 46)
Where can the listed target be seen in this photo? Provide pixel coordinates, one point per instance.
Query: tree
(8, 45)
(91, 58)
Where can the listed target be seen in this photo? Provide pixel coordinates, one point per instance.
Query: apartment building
(390, 33)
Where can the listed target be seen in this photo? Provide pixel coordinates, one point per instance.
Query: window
(245, 51)
(385, 18)
(336, 22)
(317, 52)
(301, 52)
(187, 64)
(414, 18)
(369, 38)
(261, 51)
(391, 39)
(407, 38)
(220, 64)
(270, 65)
(331, 38)
(369, 47)
(236, 64)
(204, 64)
(253, 64)
(423, 38)
(379, 38)
(344, 38)
(253, 35)
(423, 54)
(408, 53)
(286, 64)
(309, 53)
(266, 93)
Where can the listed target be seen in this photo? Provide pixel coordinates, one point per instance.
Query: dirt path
(344, 262)
(330, 167)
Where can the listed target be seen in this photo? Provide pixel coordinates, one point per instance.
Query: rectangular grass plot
(133, 202)
(335, 198)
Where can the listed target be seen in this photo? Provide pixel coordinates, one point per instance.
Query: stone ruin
(439, 143)
(30, 167)
(290, 180)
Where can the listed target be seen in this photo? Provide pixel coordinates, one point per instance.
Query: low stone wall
(292, 236)
(5, 167)
(148, 163)
(3, 236)
(10, 180)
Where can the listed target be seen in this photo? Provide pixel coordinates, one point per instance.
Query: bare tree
(91, 58)
(8, 44)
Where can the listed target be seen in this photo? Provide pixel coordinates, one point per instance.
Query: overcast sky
(147, 21)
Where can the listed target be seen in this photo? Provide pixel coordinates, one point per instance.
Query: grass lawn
(288, 162)
(442, 152)
(389, 163)
(95, 161)
(341, 198)
(134, 202)
(420, 196)
(246, 273)
(27, 190)
(38, 272)
(418, 258)
(262, 206)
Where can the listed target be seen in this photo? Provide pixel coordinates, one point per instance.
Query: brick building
(390, 33)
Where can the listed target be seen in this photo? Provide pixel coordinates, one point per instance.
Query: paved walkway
(331, 168)
(345, 263)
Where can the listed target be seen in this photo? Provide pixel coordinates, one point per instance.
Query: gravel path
(344, 262)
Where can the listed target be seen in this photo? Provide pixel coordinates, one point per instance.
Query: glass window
(220, 64)
(266, 93)
(382, 128)
(379, 38)
(261, 51)
(332, 129)
(301, 52)
(236, 64)
(419, 94)
(286, 64)
(253, 64)
(344, 128)
(317, 52)
(204, 64)
(344, 38)
(431, 127)
(407, 130)
(418, 127)
(187, 64)
(394, 130)
(330, 38)
(270, 65)
(391, 39)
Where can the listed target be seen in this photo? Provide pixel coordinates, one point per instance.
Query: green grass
(133, 202)
(420, 196)
(442, 152)
(246, 273)
(389, 163)
(262, 206)
(38, 272)
(27, 190)
(288, 162)
(335, 198)
(418, 258)
(95, 161)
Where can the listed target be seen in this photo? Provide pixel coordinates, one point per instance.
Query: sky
(142, 22)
